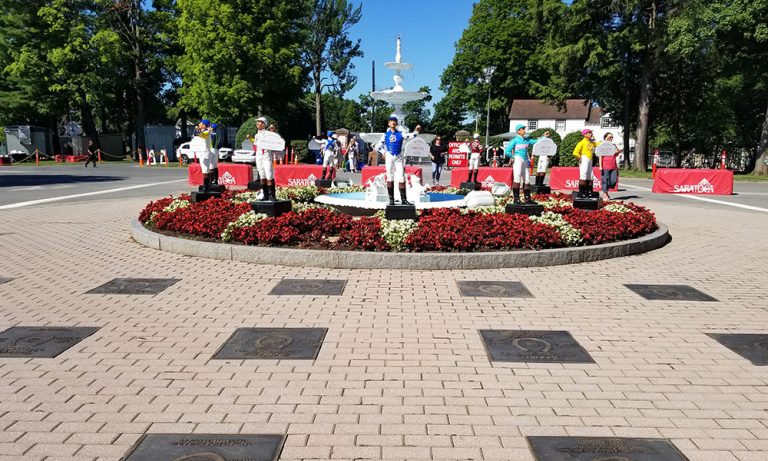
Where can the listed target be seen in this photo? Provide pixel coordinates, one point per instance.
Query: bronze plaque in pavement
(751, 346)
(669, 292)
(309, 287)
(603, 449)
(206, 447)
(47, 342)
(533, 346)
(133, 286)
(470, 288)
(273, 344)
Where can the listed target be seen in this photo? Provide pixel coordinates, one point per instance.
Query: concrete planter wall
(381, 260)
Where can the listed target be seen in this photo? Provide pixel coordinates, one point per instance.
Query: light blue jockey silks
(519, 145)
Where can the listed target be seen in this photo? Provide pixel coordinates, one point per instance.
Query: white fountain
(397, 96)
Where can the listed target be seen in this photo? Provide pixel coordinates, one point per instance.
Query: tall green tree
(328, 52)
(241, 57)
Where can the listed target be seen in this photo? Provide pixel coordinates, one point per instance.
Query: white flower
(617, 208)
(245, 197)
(176, 204)
(395, 231)
(246, 219)
(570, 235)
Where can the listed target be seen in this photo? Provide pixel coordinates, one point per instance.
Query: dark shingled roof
(574, 109)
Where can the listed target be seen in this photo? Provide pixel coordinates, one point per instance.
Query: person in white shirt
(264, 162)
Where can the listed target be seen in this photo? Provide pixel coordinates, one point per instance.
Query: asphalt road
(28, 186)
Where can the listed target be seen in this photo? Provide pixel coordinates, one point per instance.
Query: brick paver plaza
(402, 371)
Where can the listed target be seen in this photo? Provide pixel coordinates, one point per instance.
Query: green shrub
(552, 134)
(247, 128)
(565, 151)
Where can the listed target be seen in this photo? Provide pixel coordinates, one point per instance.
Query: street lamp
(488, 74)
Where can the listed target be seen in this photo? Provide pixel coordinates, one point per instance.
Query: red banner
(75, 158)
(457, 159)
(373, 171)
(297, 175)
(693, 181)
(230, 174)
(486, 175)
(567, 178)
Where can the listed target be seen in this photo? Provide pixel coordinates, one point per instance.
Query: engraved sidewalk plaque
(273, 344)
(669, 292)
(469, 288)
(309, 287)
(206, 447)
(751, 346)
(133, 286)
(544, 146)
(47, 342)
(533, 346)
(603, 449)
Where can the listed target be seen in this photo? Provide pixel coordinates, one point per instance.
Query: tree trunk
(641, 135)
(318, 105)
(89, 125)
(137, 75)
(627, 104)
(761, 168)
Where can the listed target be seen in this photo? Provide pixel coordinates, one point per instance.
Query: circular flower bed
(309, 225)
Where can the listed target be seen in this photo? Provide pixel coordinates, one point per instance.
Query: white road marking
(86, 194)
(705, 199)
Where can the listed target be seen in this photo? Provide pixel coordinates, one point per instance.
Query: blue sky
(429, 30)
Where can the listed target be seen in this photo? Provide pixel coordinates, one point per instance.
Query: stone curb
(416, 261)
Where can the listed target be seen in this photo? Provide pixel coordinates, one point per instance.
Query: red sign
(567, 178)
(486, 175)
(457, 159)
(693, 181)
(297, 175)
(230, 174)
(370, 172)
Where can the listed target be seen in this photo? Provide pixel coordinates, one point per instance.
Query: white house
(576, 115)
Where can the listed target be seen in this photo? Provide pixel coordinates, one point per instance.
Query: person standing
(437, 152)
(517, 151)
(392, 145)
(209, 164)
(352, 150)
(475, 151)
(329, 155)
(264, 159)
(583, 152)
(609, 170)
(92, 154)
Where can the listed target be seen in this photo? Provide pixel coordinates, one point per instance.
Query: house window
(533, 125)
(559, 125)
(606, 122)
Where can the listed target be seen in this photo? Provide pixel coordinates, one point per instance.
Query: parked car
(185, 153)
(225, 154)
(244, 156)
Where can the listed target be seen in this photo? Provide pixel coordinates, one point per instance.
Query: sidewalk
(402, 372)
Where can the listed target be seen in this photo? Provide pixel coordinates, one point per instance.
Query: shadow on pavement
(41, 180)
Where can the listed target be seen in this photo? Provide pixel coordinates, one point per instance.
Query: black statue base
(591, 203)
(541, 189)
(533, 209)
(325, 183)
(212, 188)
(400, 212)
(592, 194)
(470, 185)
(272, 208)
(254, 185)
(196, 197)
